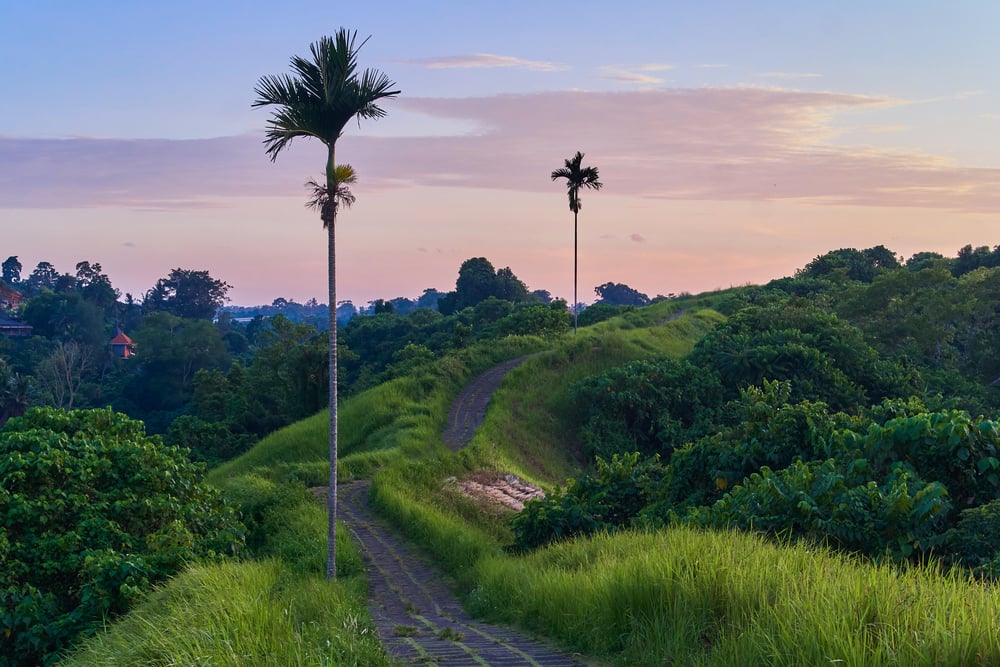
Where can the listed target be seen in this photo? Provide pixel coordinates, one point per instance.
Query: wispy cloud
(638, 238)
(641, 74)
(711, 144)
(711, 66)
(481, 60)
(789, 75)
(886, 128)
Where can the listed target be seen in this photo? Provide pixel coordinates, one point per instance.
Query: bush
(824, 502)
(974, 542)
(610, 498)
(92, 513)
(649, 406)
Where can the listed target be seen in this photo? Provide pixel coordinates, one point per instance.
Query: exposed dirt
(503, 490)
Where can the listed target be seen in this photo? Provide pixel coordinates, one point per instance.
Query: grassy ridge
(278, 609)
(529, 431)
(678, 596)
(674, 597)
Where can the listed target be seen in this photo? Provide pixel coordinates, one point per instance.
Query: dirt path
(419, 620)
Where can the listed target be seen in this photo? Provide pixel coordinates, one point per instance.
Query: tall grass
(238, 614)
(699, 598)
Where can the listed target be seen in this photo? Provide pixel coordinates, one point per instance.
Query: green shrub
(974, 542)
(830, 503)
(93, 512)
(649, 406)
(610, 498)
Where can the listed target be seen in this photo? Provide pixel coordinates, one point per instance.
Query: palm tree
(576, 177)
(317, 100)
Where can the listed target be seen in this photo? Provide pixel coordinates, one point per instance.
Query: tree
(13, 393)
(94, 512)
(11, 270)
(318, 100)
(620, 294)
(95, 286)
(44, 276)
(429, 299)
(477, 281)
(576, 177)
(66, 316)
(186, 293)
(61, 373)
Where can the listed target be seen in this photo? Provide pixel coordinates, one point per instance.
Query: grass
(683, 596)
(677, 596)
(529, 431)
(237, 614)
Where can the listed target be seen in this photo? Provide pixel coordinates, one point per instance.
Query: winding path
(419, 620)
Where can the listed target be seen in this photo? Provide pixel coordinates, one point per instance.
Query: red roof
(121, 339)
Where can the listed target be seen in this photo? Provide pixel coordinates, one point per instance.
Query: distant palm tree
(576, 177)
(317, 100)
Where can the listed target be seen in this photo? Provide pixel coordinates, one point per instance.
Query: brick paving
(469, 408)
(419, 620)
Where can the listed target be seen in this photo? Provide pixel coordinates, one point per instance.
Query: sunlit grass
(238, 614)
(687, 597)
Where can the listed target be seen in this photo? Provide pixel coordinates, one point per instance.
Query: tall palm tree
(576, 177)
(317, 100)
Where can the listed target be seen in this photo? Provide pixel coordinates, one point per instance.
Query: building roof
(121, 339)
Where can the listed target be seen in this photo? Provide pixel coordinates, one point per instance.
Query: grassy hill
(673, 596)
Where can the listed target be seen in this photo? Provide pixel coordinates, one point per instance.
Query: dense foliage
(92, 513)
(837, 406)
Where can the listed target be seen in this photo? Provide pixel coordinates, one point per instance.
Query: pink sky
(703, 188)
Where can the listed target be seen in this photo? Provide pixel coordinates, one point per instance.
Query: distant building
(13, 328)
(122, 346)
(10, 299)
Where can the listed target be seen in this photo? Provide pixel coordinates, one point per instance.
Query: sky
(736, 141)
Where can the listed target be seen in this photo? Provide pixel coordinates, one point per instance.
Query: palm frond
(321, 94)
(577, 177)
(320, 200)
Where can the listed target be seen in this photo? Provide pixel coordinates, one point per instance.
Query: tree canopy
(188, 293)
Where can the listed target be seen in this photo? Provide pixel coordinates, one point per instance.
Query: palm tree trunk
(575, 302)
(331, 497)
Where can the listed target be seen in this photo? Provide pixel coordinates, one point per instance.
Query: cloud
(633, 73)
(712, 144)
(638, 238)
(789, 75)
(886, 128)
(480, 60)
(711, 66)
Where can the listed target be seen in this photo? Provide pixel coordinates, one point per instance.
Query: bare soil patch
(497, 490)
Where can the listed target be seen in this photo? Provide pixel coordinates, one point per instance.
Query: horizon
(736, 143)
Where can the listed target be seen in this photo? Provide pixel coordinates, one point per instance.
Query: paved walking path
(469, 409)
(419, 620)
